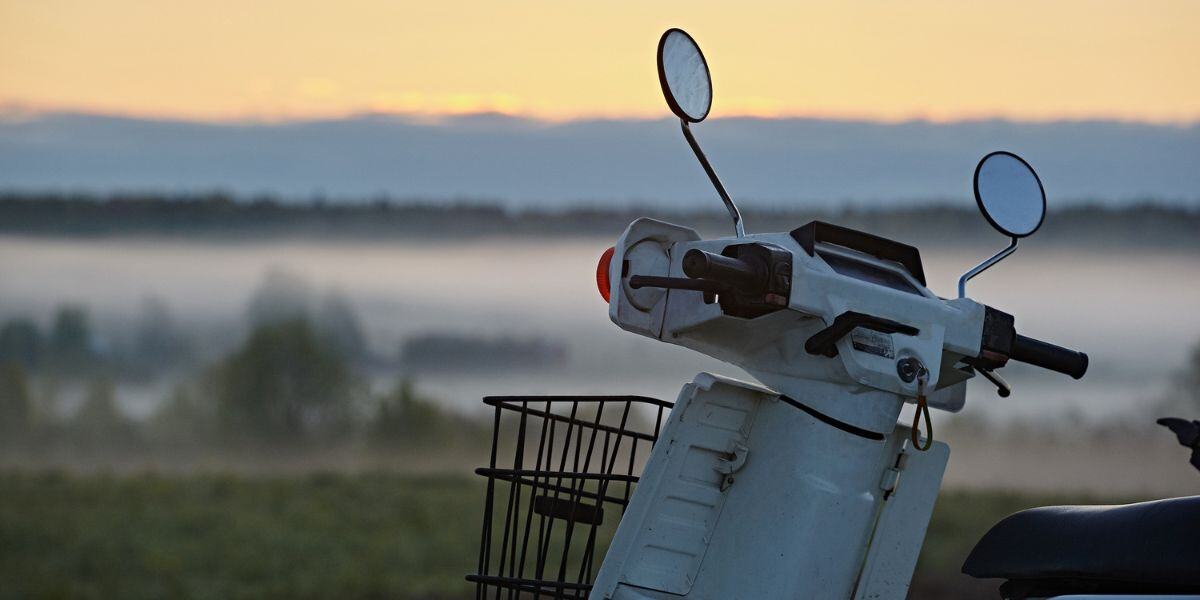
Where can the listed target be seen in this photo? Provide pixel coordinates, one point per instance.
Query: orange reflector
(602, 280)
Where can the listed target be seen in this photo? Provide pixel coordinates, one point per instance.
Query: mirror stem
(712, 176)
(983, 266)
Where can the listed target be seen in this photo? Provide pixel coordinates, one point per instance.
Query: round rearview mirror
(683, 74)
(1009, 194)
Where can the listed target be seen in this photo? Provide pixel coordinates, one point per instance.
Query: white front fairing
(858, 387)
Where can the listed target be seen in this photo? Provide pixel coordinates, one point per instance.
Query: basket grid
(552, 505)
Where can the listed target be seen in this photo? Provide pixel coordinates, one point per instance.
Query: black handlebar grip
(734, 272)
(1049, 356)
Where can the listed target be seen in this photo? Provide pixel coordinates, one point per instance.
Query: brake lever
(1002, 388)
(676, 283)
(710, 288)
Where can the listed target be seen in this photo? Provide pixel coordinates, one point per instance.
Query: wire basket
(552, 508)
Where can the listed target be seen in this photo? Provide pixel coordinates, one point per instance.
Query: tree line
(218, 214)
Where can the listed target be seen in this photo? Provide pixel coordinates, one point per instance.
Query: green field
(314, 536)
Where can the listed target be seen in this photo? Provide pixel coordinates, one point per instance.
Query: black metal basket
(551, 510)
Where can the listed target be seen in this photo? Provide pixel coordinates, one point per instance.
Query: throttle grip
(1048, 356)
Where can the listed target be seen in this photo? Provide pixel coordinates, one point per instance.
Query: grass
(314, 536)
(212, 536)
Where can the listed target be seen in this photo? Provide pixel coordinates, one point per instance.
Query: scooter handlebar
(1049, 356)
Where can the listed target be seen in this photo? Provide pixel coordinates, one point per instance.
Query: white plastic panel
(667, 530)
(804, 515)
(642, 313)
(903, 517)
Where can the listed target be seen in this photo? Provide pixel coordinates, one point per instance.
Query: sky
(272, 60)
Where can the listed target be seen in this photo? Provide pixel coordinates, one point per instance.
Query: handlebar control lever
(710, 288)
(824, 342)
(1002, 388)
(674, 283)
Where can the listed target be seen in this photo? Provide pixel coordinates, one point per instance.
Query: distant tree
(71, 344)
(15, 406)
(283, 384)
(21, 342)
(338, 325)
(184, 418)
(439, 351)
(405, 416)
(158, 343)
(282, 296)
(99, 421)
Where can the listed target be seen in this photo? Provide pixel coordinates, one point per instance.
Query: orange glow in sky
(277, 59)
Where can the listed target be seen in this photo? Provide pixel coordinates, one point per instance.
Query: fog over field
(524, 288)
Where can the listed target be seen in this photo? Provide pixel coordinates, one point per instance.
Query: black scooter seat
(1156, 544)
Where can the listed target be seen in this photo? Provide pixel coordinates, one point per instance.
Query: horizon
(16, 112)
(528, 162)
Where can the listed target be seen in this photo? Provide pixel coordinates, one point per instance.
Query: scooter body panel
(748, 496)
(910, 487)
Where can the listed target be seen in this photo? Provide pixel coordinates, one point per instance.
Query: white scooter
(803, 486)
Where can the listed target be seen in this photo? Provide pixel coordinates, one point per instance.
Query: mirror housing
(1010, 195)
(684, 76)
(687, 86)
